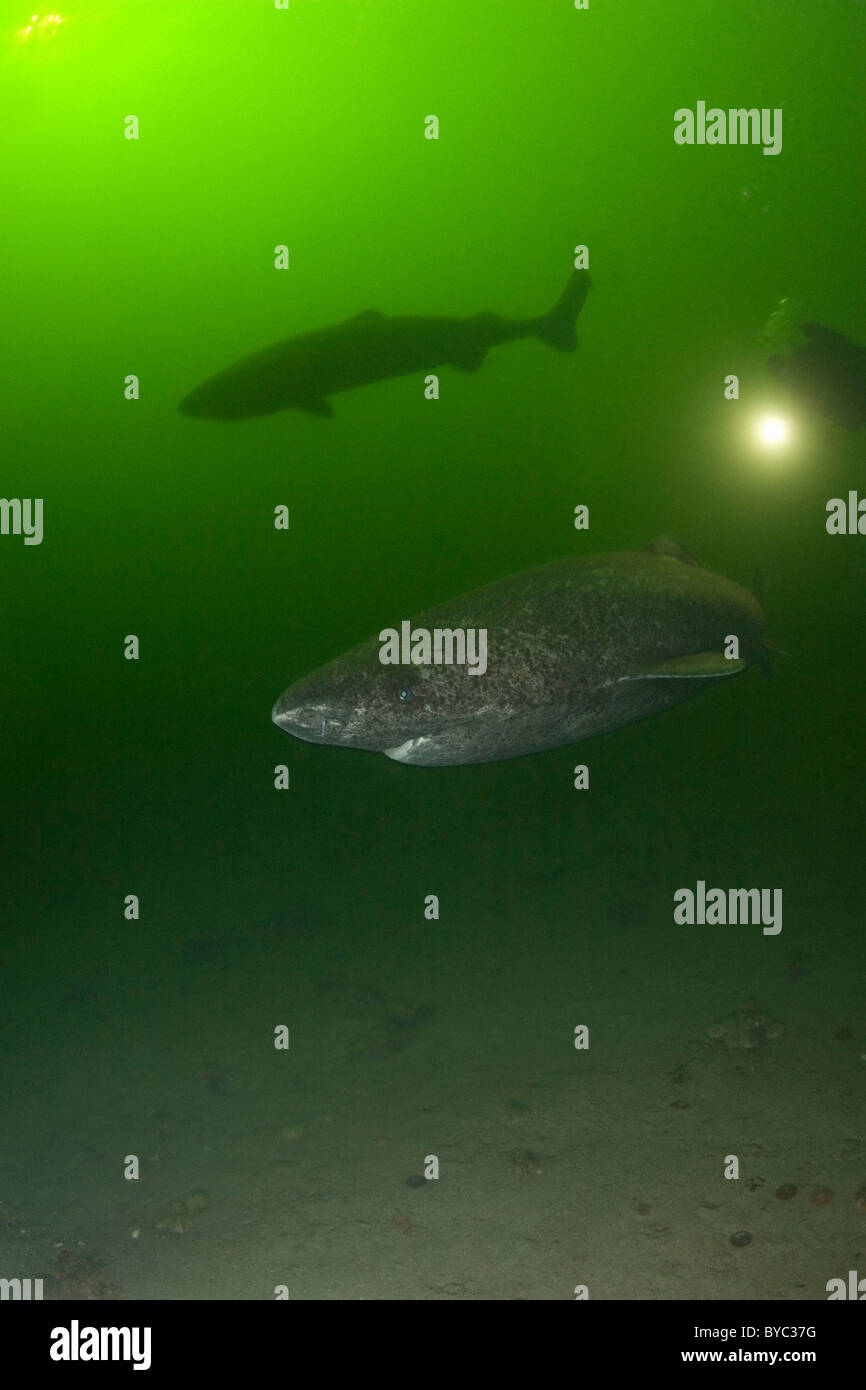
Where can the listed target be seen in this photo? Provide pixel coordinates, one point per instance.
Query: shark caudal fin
(557, 327)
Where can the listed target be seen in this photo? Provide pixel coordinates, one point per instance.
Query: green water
(154, 1037)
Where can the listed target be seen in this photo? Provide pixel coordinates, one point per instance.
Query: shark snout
(203, 406)
(308, 722)
(192, 404)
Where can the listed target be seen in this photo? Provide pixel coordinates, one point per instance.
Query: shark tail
(556, 328)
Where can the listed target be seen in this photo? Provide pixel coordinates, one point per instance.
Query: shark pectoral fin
(694, 666)
(317, 407)
(412, 751)
(433, 750)
(468, 359)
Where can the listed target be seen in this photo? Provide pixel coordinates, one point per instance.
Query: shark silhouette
(826, 372)
(303, 371)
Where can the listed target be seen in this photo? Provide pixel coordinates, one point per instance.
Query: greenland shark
(571, 649)
(303, 371)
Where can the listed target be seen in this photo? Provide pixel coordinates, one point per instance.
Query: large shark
(303, 371)
(572, 649)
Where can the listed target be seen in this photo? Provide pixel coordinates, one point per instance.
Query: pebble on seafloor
(746, 1030)
(822, 1198)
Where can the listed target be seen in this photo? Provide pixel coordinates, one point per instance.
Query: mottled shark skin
(303, 371)
(575, 648)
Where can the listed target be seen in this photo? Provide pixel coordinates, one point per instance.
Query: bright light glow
(773, 431)
(41, 27)
(773, 437)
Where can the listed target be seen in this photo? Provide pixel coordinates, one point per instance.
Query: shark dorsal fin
(316, 405)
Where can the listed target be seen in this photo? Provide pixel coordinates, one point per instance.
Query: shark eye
(405, 695)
